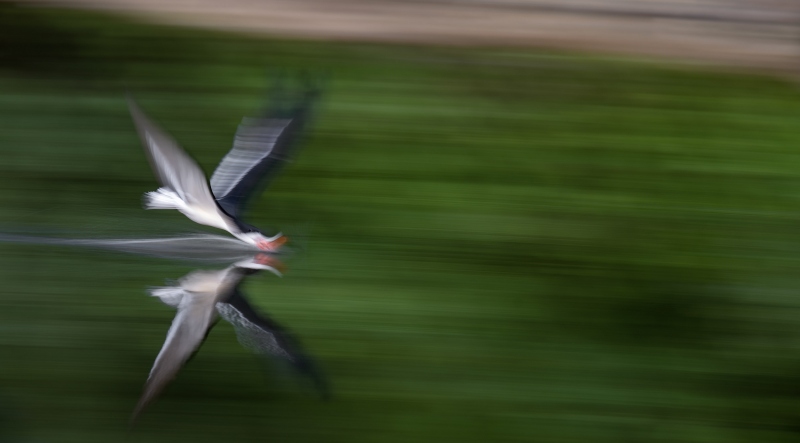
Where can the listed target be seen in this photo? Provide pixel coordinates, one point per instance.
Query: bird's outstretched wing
(195, 296)
(260, 147)
(195, 316)
(265, 337)
(175, 169)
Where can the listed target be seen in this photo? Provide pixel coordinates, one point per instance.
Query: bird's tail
(170, 295)
(163, 198)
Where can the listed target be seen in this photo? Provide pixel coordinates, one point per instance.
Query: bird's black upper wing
(260, 147)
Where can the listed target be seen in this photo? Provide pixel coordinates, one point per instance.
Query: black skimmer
(260, 146)
(203, 296)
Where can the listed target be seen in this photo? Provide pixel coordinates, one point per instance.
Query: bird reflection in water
(201, 298)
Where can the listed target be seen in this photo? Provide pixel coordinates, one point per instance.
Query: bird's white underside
(165, 198)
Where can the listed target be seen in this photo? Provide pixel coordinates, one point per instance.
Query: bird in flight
(201, 297)
(261, 145)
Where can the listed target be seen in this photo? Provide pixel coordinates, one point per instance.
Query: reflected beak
(272, 262)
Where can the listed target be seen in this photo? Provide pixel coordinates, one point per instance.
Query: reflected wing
(264, 336)
(172, 165)
(189, 328)
(260, 147)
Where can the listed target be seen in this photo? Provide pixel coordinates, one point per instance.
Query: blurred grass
(504, 245)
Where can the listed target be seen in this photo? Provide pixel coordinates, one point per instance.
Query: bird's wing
(192, 322)
(260, 147)
(175, 169)
(264, 336)
(258, 333)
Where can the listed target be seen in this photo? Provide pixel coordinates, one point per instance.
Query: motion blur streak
(198, 247)
(504, 244)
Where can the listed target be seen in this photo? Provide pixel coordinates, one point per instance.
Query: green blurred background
(500, 245)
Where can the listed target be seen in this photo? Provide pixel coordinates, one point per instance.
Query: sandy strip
(746, 33)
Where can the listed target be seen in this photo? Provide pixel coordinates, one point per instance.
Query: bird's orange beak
(271, 246)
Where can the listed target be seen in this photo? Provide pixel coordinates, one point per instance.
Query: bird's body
(165, 198)
(260, 146)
